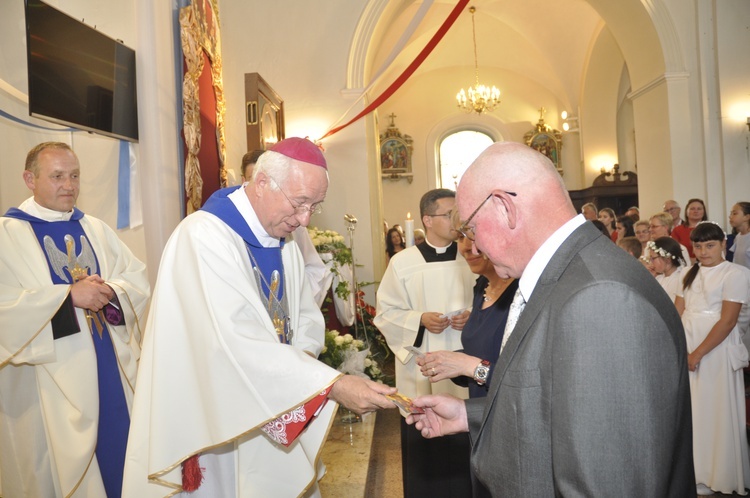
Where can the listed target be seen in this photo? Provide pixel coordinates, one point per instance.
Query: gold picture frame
(395, 153)
(546, 140)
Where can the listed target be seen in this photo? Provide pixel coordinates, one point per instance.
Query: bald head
(510, 228)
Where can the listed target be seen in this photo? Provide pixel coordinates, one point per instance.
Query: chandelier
(477, 98)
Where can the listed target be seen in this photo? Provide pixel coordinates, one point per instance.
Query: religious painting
(546, 140)
(395, 151)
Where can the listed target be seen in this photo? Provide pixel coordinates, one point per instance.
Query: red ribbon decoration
(409, 70)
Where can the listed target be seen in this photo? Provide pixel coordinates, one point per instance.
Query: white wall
(303, 50)
(98, 154)
(146, 28)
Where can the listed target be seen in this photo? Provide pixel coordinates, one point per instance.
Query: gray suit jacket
(590, 396)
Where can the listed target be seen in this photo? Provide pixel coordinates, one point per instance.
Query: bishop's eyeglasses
(300, 209)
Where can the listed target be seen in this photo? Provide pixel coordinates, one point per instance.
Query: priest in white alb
(422, 303)
(71, 296)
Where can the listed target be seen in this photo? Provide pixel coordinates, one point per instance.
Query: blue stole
(265, 259)
(114, 419)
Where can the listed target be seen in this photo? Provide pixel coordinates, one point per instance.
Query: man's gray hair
(274, 165)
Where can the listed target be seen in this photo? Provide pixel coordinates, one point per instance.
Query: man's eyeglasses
(300, 209)
(447, 215)
(468, 231)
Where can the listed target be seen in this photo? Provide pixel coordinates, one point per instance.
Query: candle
(409, 230)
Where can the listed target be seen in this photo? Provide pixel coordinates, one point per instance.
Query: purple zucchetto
(301, 149)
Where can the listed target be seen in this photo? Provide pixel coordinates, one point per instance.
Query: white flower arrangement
(331, 242)
(349, 355)
(660, 251)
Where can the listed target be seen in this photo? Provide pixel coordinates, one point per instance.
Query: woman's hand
(440, 365)
(694, 359)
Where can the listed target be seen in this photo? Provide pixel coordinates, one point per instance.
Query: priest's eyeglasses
(300, 209)
(468, 231)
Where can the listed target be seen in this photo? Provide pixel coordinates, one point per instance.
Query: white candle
(409, 230)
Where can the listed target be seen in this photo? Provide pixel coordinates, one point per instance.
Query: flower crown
(659, 250)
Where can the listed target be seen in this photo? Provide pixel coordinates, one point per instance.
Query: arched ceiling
(547, 41)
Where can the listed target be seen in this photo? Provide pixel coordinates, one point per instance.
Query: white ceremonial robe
(411, 286)
(49, 400)
(213, 373)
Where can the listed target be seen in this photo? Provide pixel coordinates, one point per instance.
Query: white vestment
(411, 286)
(213, 373)
(49, 399)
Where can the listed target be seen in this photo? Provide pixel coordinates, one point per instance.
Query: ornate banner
(201, 45)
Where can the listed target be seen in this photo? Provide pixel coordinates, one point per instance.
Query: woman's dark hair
(672, 247)
(745, 207)
(390, 249)
(627, 222)
(687, 206)
(600, 226)
(703, 232)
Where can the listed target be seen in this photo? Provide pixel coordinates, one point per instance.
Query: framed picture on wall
(546, 140)
(395, 152)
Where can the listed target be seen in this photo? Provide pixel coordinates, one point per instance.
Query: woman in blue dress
(482, 334)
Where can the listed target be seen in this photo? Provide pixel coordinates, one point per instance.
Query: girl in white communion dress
(713, 303)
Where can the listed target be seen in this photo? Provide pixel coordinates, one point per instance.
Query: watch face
(481, 373)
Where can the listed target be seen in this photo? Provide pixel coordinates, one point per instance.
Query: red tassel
(192, 474)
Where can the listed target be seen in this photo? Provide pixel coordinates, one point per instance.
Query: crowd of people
(518, 384)
(692, 261)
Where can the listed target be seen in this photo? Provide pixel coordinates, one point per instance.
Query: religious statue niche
(546, 140)
(395, 153)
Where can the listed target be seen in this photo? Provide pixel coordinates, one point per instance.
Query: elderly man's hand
(361, 395)
(444, 414)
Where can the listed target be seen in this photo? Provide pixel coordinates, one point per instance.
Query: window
(457, 151)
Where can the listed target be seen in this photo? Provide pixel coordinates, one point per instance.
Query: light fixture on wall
(570, 123)
(478, 98)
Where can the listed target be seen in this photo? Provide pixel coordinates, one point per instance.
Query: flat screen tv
(78, 76)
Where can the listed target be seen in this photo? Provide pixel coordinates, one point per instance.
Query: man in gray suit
(591, 395)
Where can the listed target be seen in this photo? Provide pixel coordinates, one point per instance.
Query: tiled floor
(346, 456)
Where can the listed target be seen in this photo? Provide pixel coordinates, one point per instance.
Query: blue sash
(268, 259)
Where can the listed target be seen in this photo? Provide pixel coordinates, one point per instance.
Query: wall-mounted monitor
(78, 76)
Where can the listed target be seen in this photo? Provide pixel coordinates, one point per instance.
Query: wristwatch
(482, 372)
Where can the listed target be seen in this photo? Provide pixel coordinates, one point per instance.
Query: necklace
(491, 294)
